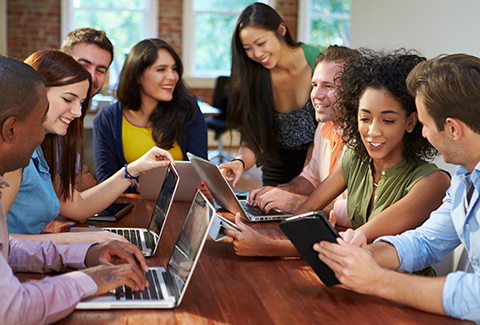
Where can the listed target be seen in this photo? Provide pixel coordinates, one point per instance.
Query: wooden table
(229, 289)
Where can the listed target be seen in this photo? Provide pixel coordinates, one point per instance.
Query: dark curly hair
(379, 70)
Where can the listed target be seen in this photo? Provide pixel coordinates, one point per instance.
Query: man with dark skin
(106, 266)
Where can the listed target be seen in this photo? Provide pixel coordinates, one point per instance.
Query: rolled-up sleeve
(51, 298)
(460, 296)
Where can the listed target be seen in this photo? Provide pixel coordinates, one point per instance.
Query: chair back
(220, 96)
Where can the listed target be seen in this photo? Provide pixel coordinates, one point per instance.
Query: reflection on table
(229, 289)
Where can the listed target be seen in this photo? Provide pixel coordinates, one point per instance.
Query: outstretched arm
(233, 170)
(325, 193)
(286, 197)
(85, 204)
(410, 211)
(355, 268)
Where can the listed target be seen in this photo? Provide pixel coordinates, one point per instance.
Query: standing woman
(46, 187)
(154, 108)
(269, 100)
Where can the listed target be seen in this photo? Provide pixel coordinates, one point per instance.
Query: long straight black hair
(169, 118)
(250, 106)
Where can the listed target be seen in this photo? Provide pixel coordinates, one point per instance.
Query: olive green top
(394, 184)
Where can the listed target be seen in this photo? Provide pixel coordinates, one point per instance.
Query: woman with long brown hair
(154, 108)
(46, 187)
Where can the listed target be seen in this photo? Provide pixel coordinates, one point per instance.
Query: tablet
(305, 230)
(113, 213)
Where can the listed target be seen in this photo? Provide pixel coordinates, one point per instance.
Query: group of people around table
(350, 132)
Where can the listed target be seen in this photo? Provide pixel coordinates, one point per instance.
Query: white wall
(431, 26)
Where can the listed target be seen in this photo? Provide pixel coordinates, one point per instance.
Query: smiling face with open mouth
(65, 106)
(323, 93)
(261, 45)
(382, 124)
(158, 81)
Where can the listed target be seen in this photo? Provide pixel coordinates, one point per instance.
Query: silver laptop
(167, 286)
(147, 238)
(189, 181)
(224, 196)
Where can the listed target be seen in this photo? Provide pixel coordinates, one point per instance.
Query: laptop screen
(164, 201)
(189, 244)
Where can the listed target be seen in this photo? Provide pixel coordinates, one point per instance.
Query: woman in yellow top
(154, 108)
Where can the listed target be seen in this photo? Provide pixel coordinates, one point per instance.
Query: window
(126, 23)
(324, 22)
(207, 35)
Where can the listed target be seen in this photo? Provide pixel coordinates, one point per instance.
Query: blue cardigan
(108, 145)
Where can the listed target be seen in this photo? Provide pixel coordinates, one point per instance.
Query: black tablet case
(305, 231)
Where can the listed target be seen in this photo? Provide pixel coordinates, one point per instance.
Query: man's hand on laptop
(115, 253)
(268, 198)
(109, 277)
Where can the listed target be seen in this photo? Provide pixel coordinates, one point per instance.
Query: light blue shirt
(453, 223)
(36, 203)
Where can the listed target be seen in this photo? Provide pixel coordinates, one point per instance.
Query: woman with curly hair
(391, 186)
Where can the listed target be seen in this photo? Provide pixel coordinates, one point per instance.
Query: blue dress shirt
(456, 221)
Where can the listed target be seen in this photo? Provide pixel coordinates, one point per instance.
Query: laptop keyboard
(132, 235)
(153, 292)
(256, 211)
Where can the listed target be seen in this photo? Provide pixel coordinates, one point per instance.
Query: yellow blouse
(138, 140)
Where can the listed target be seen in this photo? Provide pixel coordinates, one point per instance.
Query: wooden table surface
(229, 289)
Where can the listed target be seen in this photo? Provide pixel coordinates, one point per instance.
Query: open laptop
(189, 181)
(167, 286)
(224, 196)
(147, 238)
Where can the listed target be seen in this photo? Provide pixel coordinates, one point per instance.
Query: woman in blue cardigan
(154, 108)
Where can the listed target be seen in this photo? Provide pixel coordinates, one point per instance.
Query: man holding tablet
(447, 91)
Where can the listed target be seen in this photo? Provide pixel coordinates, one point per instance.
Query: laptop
(167, 285)
(224, 196)
(189, 181)
(147, 238)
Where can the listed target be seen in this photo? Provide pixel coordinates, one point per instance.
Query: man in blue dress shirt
(447, 91)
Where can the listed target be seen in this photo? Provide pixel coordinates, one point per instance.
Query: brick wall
(34, 25)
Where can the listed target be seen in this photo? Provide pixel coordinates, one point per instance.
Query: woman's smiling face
(65, 106)
(262, 46)
(382, 124)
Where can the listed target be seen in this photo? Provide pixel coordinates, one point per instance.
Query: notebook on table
(147, 238)
(167, 285)
(189, 181)
(224, 196)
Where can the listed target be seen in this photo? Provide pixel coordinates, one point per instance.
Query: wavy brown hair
(446, 82)
(64, 154)
(378, 70)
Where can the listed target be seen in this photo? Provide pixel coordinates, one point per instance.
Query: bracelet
(128, 176)
(240, 160)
